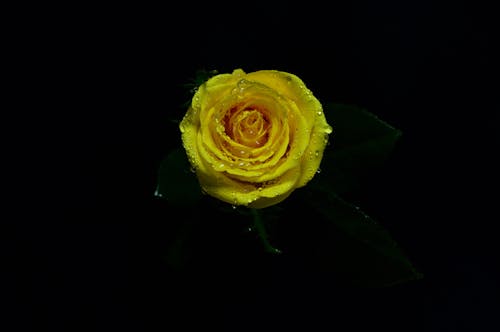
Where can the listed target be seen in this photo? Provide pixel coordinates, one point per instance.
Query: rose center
(248, 127)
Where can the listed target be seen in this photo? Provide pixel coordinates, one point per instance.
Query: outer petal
(292, 87)
(239, 193)
(215, 89)
(314, 153)
(189, 128)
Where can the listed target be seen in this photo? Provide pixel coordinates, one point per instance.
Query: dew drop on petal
(196, 102)
(242, 85)
(326, 139)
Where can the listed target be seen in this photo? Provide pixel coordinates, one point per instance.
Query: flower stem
(261, 230)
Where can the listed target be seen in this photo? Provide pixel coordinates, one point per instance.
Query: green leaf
(348, 241)
(359, 144)
(353, 245)
(176, 182)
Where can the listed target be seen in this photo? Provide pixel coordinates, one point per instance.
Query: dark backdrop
(109, 80)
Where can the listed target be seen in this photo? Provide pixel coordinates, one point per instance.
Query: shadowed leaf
(176, 182)
(360, 143)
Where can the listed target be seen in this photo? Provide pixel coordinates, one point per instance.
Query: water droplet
(242, 85)
(319, 112)
(196, 102)
(318, 170)
(234, 207)
(235, 200)
(326, 139)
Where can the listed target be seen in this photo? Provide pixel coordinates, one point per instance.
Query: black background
(107, 81)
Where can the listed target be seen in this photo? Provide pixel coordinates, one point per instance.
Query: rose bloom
(253, 138)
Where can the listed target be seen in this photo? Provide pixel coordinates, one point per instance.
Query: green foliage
(353, 245)
(176, 183)
(359, 145)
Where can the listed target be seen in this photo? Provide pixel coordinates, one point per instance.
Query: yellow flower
(253, 138)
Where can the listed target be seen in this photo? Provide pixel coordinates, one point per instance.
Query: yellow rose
(253, 138)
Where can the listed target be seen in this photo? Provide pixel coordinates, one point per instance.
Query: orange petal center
(249, 126)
